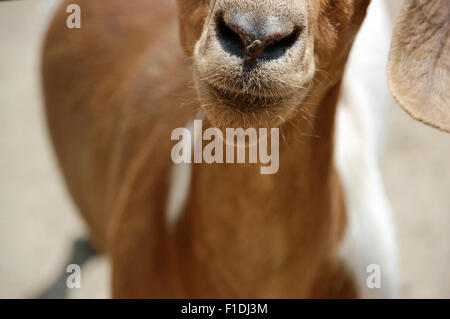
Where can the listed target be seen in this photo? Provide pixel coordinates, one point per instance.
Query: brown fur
(117, 88)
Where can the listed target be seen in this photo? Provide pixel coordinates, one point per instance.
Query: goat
(116, 88)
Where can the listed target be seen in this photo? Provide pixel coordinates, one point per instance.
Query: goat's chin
(225, 109)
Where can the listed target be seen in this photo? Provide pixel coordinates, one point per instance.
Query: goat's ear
(419, 61)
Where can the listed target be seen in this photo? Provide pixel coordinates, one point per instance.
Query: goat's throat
(251, 224)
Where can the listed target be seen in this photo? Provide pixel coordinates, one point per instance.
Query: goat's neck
(245, 224)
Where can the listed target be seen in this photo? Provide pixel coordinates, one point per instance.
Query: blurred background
(39, 225)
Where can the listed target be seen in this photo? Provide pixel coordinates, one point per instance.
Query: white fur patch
(48, 7)
(361, 120)
(180, 182)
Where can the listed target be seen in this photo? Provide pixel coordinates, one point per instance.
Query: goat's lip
(244, 101)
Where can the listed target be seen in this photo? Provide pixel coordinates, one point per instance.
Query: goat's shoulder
(111, 89)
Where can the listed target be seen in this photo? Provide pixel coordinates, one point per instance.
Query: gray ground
(38, 224)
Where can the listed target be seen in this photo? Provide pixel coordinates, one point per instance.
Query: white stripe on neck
(180, 181)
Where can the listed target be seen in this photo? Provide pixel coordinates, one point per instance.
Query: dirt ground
(38, 224)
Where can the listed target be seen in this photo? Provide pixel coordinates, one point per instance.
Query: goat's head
(256, 61)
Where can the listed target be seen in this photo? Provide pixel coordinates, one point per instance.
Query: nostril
(277, 47)
(252, 41)
(230, 40)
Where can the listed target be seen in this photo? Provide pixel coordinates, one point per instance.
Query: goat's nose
(253, 37)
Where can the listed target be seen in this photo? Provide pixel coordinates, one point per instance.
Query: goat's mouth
(232, 108)
(244, 100)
